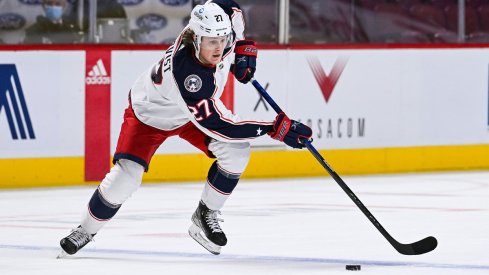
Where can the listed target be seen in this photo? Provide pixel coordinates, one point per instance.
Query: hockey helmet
(210, 20)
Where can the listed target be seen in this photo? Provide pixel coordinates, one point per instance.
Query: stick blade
(420, 247)
(425, 245)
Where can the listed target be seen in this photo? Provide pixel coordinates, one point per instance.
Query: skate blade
(62, 255)
(194, 232)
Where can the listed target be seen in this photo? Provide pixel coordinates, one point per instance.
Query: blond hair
(188, 38)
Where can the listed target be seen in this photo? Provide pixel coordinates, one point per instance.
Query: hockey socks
(99, 212)
(205, 227)
(100, 208)
(220, 184)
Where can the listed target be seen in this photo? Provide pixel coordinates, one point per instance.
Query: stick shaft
(420, 247)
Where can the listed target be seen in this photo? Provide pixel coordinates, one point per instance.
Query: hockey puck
(353, 267)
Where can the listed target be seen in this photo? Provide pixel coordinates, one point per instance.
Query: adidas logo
(98, 75)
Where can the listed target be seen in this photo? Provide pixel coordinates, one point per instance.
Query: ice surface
(292, 226)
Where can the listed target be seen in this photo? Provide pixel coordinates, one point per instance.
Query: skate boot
(206, 221)
(77, 239)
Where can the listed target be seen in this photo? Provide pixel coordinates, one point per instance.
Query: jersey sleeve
(210, 114)
(238, 23)
(221, 121)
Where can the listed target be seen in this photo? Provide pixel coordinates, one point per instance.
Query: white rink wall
(403, 97)
(354, 100)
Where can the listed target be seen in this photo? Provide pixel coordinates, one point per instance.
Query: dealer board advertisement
(350, 98)
(42, 104)
(376, 98)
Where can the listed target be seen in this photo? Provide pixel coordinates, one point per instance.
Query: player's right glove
(290, 131)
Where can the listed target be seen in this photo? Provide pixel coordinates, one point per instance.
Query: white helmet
(209, 20)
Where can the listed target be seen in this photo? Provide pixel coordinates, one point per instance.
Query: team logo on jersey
(98, 74)
(13, 104)
(193, 83)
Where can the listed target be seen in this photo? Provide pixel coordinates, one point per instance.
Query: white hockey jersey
(179, 89)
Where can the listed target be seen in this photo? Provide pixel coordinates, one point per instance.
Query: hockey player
(179, 96)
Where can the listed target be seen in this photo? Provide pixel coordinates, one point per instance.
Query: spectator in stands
(110, 9)
(105, 9)
(53, 27)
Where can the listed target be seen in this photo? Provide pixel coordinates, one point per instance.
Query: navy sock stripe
(217, 190)
(100, 208)
(220, 181)
(228, 174)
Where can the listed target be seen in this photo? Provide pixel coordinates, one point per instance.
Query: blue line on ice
(254, 258)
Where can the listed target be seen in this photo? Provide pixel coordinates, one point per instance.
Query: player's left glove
(244, 66)
(290, 131)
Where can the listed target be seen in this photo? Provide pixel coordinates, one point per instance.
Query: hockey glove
(290, 131)
(244, 66)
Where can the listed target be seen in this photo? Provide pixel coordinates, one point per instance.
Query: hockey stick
(420, 247)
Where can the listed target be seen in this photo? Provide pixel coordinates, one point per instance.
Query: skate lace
(213, 221)
(79, 237)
